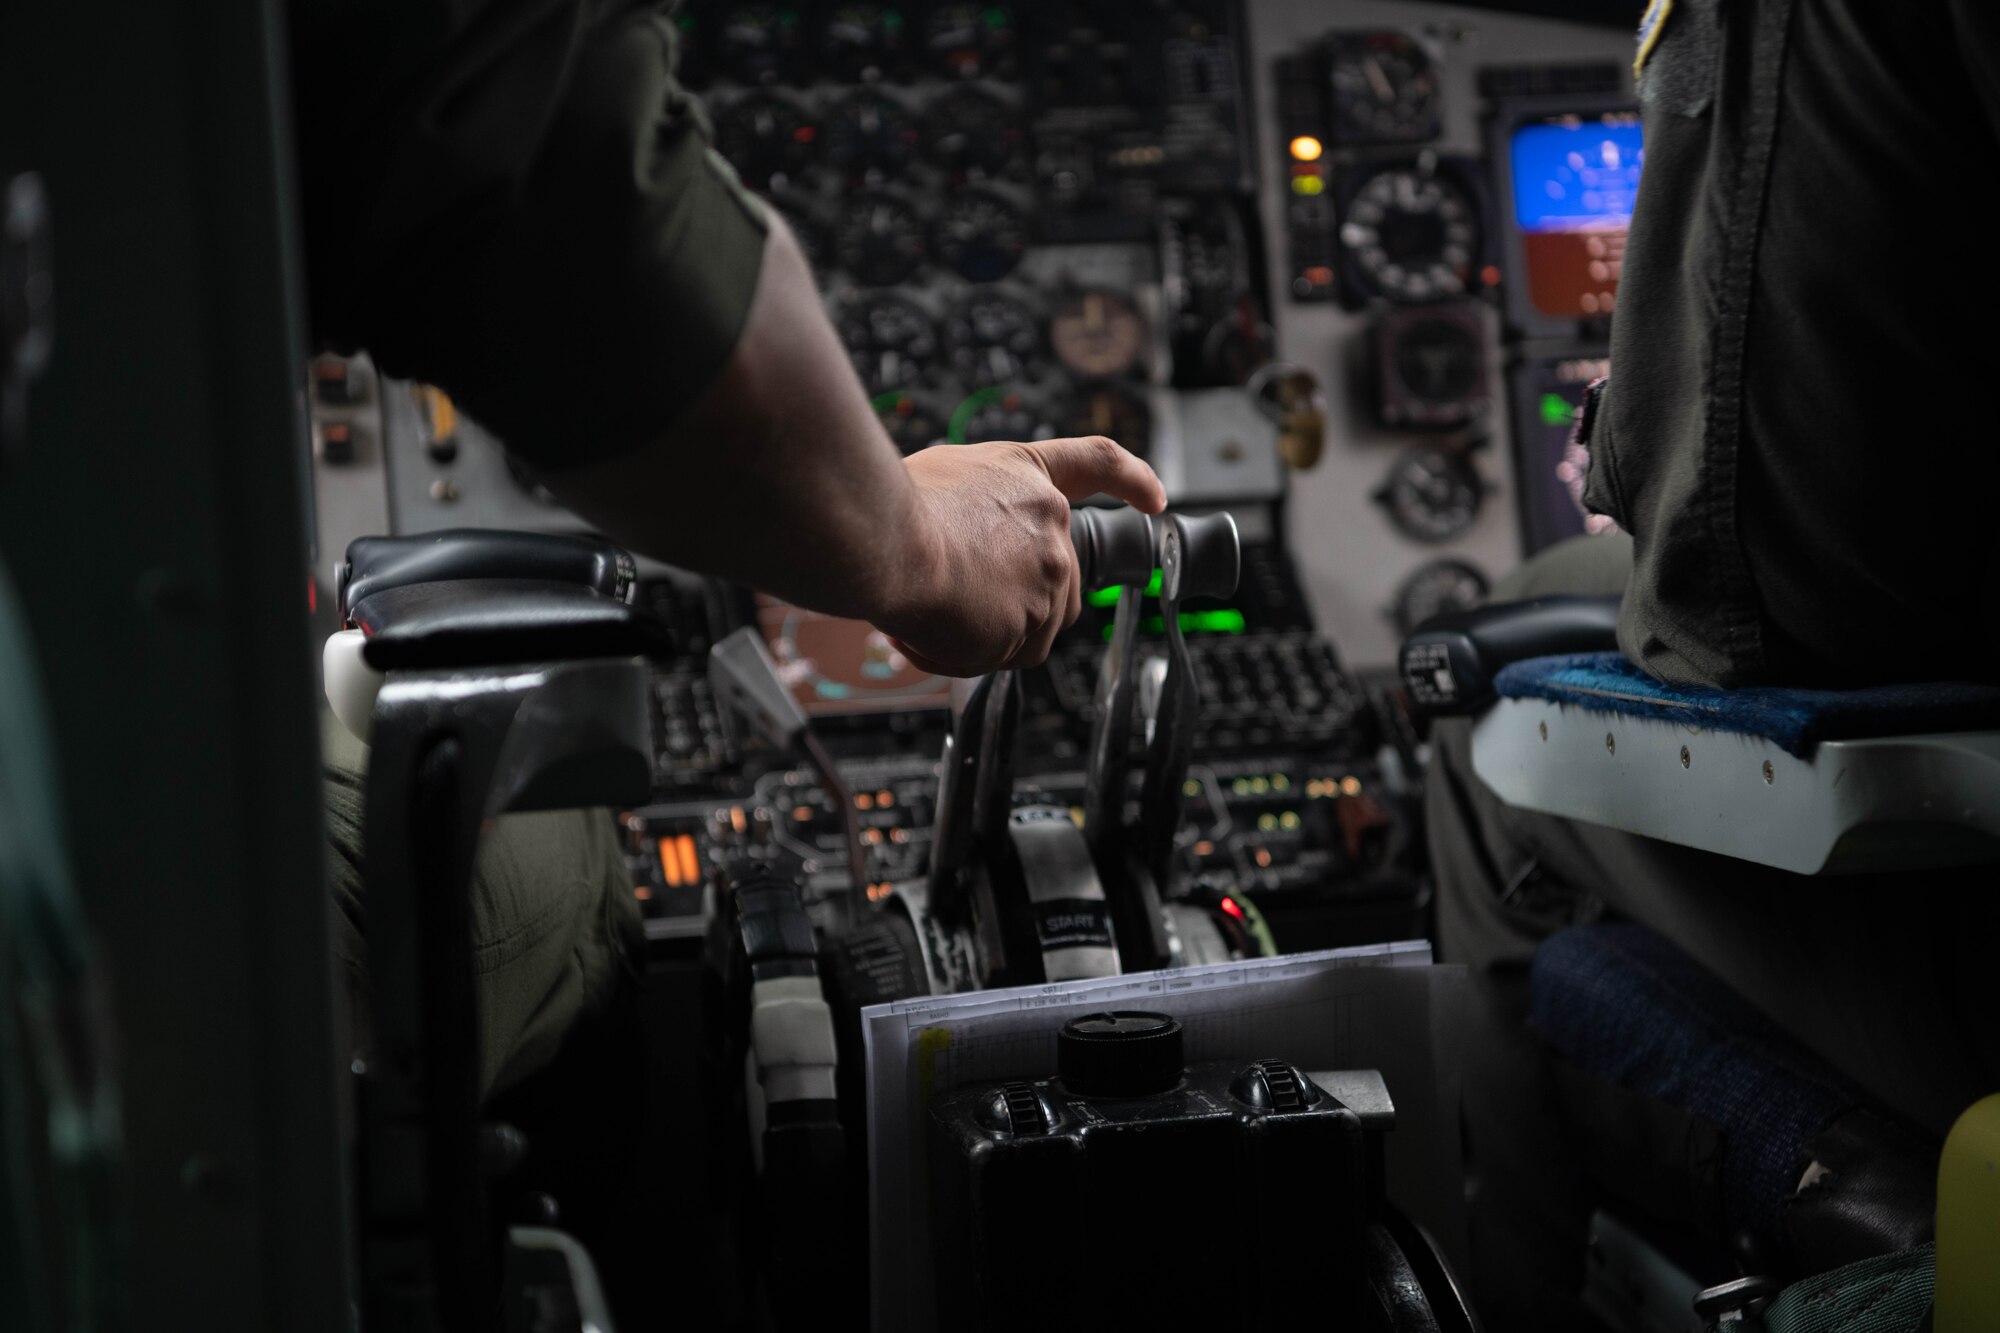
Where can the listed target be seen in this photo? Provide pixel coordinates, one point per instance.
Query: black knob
(1273, 1085)
(1113, 546)
(1206, 553)
(1127, 1053)
(1016, 1108)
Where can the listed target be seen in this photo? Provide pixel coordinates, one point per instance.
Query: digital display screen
(844, 667)
(1575, 180)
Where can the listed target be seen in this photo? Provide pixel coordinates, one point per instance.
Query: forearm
(779, 476)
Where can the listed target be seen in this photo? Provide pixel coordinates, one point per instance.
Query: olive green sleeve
(555, 927)
(531, 219)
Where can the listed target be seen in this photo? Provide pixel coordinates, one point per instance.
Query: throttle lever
(1199, 557)
(976, 779)
(958, 785)
(1122, 554)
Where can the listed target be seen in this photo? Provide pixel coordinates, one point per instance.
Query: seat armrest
(499, 622)
(1448, 663)
(377, 564)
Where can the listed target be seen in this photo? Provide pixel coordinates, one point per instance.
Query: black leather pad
(376, 564)
(499, 622)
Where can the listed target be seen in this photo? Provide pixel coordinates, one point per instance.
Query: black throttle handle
(1199, 557)
(1113, 546)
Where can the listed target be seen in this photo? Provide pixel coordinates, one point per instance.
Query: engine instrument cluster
(1022, 217)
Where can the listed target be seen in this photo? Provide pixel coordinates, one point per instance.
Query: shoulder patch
(1651, 24)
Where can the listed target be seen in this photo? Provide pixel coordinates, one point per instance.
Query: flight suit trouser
(555, 926)
(1893, 979)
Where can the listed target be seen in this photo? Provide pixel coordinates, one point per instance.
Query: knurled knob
(1125, 1053)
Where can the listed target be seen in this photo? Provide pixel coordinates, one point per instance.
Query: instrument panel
(1290, 263)
(1012, 209)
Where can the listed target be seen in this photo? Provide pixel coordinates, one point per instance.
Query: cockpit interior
(997, 666)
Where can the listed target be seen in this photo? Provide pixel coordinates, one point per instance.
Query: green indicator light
(788, 18)
(1556, 410)
(1109, 596)
(1290, 819)
(1267, 822)
(961, 416)
(892, 20)
(1226, 620)
(996, 18)
(1279, 782)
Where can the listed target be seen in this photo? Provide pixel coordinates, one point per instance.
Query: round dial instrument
(998, 414)
(1113, 410)
(1384, 87)
(994, 339)
(870, 131)
(891, 341)
(1439, 587)
(1413, 235)
(767, 139)
(910, 423)
(1432, 494)
(864, 41)
(1436, 359)
(758, 43)
(980, 236)
(1098, 334)
(878, 239)
(972, 131)
(968, 40)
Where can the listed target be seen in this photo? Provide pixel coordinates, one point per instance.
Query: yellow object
(1306, 148)
(1308, 185)
(1968, 1223)
(1651, 24)
(437, 412)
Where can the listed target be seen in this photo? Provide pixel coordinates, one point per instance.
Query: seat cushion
(1796, 720)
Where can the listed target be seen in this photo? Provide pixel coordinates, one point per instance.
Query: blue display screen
(1577, 173)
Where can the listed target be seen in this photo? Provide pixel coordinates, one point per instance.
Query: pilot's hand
(986, 574)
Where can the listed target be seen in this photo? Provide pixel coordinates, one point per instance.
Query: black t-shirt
(514, 200)
(1797, 433)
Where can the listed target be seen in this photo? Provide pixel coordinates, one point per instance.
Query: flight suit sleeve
(519, 204)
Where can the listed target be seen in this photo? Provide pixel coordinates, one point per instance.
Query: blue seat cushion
(1624, 1006)
(1797, 720)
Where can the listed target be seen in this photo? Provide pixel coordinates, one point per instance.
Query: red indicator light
(804, 134)
(1234, 908)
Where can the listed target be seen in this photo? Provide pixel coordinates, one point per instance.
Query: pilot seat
(1815, 782)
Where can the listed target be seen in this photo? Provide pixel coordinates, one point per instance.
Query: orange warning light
(1307, 149)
